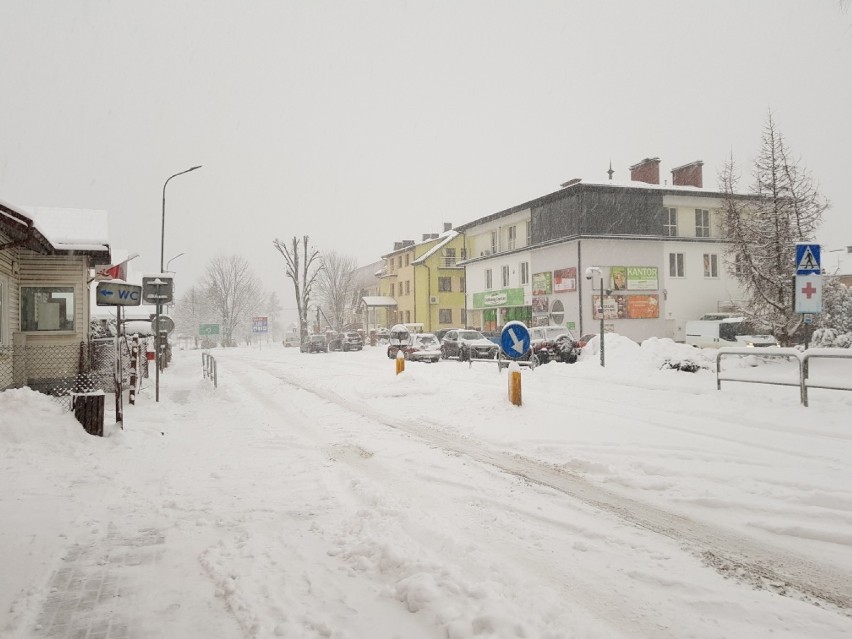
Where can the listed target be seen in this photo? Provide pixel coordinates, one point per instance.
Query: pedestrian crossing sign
(807, 259)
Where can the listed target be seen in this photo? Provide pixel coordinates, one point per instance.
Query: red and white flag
(115, 272)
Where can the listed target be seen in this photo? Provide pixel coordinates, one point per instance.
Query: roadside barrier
(802, 359)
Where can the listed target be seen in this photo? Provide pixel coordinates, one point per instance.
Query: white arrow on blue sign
(515, 339)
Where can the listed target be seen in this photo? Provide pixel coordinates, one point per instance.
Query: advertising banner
(614, 307)
(542, 284)
(642, 278)
(565, 279)
(540, 305)
(643, 306)
(504, 297)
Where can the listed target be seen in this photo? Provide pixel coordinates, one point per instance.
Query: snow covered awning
(378, 300)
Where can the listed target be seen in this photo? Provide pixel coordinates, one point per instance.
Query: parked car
(346, 341)
(313, 344)
(553, 343)
(425, 347)
(466, 344)
(443, 331)
(352, 341)
(399, 338)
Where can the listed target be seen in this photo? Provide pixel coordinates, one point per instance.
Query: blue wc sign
(515, 339)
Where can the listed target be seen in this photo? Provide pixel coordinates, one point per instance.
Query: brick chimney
(689, 175)
(448, 226)
(648, 171)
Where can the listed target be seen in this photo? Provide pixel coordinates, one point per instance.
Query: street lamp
(172, 260)
(159, 303)
(590, 273)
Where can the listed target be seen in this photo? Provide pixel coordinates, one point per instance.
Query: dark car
(467, 344)
(314, 344)
(351, 341)
(553, 343)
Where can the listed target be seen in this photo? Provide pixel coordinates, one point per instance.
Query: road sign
(157, 289)
(807, 259)
(208, 329)
(808, 318)
(163, 323)
(118, 294)
(515, 340)
(808, 294)
(259, 324)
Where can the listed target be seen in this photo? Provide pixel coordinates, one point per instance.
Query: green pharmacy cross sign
(208, 329)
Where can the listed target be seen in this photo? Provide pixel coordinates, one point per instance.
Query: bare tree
(193, 309)
(783, 207)
(233, 292)
(336, 288)
(303, 270)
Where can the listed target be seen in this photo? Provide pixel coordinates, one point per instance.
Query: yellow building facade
(426, 281)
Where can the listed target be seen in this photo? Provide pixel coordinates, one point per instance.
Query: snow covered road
(324, 496)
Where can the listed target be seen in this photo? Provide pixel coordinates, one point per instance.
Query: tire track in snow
(732, 555)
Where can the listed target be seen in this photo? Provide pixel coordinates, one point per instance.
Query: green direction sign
(208, 329)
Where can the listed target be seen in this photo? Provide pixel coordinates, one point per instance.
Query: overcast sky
(362, 123)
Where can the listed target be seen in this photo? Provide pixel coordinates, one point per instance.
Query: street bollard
(400, 362)
(515, 383)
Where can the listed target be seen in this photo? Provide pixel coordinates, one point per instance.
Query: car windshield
(470, 335)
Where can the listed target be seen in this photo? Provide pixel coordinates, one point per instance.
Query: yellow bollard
(400, 362)
(515, 383)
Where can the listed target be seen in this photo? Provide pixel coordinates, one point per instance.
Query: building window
(399, 261)
(529, 233)
(407, 257)
(408, 287)
(493, 241)
(445, 316)
(488, 281)
(47, 308)
(711, 265)
(676, 265)
(445, 284)
(504, 273)
(392, 295)
(670, 226)
(702, 223)
(739, 265)
(525, 273)
(407, 317)
(461, 284)
(513, 234)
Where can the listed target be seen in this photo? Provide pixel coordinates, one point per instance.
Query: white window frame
(670, 227)
(504, 275)
(512, 237)
(493, 241)
(676, 265)
(489, 279)
(525, 273)
(702, 223)
(711, 265)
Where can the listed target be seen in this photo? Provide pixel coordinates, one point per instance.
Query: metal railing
(208, 366)
(802, 359)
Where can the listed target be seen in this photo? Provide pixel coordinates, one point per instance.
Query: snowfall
(325, 495)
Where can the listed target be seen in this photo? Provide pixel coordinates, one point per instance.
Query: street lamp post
(159, 303)
(172, 260)
(590, 273)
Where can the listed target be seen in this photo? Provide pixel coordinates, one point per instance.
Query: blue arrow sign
(515, 340)
(107, 293)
